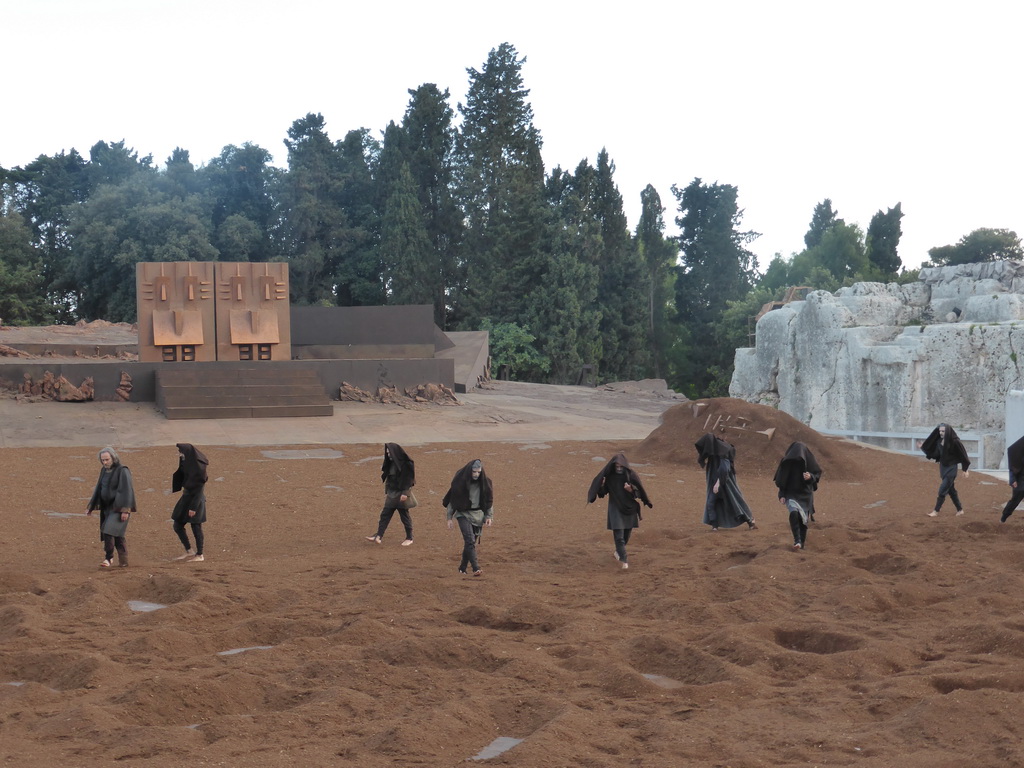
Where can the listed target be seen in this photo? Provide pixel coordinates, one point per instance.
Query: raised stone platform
(240, 391)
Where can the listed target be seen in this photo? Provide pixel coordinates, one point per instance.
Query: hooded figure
(114, 497)
(724, 505)
(1015, 461)
(470, 502)
(398, 473)
(797, 479)
(190, 478)
(625, 493)
(943, 446)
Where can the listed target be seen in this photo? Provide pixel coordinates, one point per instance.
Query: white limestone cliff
(895, 358)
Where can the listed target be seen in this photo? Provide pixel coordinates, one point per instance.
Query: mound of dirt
(761, 436)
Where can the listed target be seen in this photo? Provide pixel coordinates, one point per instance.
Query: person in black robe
(1015, 461)
(398, 472)
(797, 479)
(943, 446)
(190, 478)
(470, 503)
(625, 493)
(114, 497)
(724, 505)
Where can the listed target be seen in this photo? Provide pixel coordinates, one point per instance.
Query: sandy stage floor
(893, 640)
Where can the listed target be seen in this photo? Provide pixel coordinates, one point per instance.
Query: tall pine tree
(622, 293)
(429, 149)
(501, 188)
(658, 254)
(716, 268)
(883, 240)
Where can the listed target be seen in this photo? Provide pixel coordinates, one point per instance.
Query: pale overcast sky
(868, 103)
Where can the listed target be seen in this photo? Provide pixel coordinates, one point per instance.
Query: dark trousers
(197, 531)
(385, 519)
(947, 487)
(110, 543)
(1017, 498)
(621, 536)
(799, 528)
(470, 536)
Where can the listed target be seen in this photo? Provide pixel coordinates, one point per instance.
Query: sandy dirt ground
(893, 640)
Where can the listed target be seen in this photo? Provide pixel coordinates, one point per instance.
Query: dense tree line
(450, 207)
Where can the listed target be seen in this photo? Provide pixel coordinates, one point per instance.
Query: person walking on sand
(1015, 462)
(398, 472)
(943, 446)
(724, 505)
(625, 493)
(190, 478)
(797, 479)
(470, 502)
(114, 497)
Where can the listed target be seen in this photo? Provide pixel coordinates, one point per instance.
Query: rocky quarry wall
(896, 358)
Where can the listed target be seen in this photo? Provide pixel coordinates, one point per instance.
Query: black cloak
(458, 493)
(122, 493)
(1015, 458)
(789, 477)
(191, 472)
(623, 505)
(404, 476)
(727, 508)
(947, 452)
(798, 459)
(710, 447)
(190, 478)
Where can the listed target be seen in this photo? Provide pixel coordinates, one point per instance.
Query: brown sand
(894, 640)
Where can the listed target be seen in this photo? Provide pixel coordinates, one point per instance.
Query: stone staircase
(240, 391)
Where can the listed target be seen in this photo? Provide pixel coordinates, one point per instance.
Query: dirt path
(895, 639)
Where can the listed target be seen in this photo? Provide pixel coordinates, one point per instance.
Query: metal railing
(977, 456)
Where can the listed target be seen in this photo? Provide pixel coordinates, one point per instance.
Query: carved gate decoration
(191, 311)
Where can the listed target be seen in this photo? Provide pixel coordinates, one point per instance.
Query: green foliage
(513, 345)
(240, 188)
(776, 276)
(715, 269)
(736, 325)
(501, 191)
(883, 239)
(592, 229)
(22, 301)
(331, 222)
(658, 255)
(907, 276)
(410, 268)
(822, 220)
(979, 246)
(121, 225)
(428, 145)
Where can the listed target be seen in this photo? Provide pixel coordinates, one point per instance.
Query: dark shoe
(1005, 516)
(751, 525)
